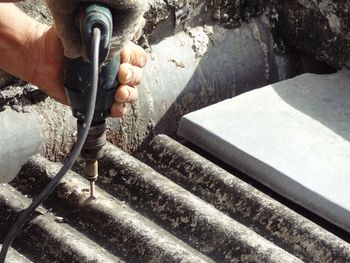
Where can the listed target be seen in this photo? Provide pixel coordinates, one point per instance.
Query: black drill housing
(77, 82)
(77, 72)
(77, 77)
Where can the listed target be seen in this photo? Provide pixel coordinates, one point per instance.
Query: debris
(179, 64)
(59, 219)
(201, 40)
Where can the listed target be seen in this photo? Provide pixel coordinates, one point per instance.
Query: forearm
(18, 33)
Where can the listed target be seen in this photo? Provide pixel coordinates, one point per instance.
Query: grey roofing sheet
(292, 136)
(169, 205)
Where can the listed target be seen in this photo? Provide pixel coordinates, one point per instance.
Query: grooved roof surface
(294, 138)
(173, 206)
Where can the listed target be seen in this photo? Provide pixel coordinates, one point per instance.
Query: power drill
(77, 82)
(90, 83)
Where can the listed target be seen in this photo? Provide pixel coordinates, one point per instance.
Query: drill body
(77, 82)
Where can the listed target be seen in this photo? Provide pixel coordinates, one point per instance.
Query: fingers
(130, 75)
(124, 94)
(118, 110)
(134, 55)
(133, 58)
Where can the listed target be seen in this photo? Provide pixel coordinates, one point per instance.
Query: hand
(49, 69)
(132, 58)
(34, 52)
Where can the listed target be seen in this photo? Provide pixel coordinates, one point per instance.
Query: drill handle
(77, 72)
(90, 17)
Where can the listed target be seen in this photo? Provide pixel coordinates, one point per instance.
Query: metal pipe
(20, 138)
(186, 71)
(191, 70)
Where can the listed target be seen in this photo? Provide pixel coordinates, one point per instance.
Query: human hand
(49, 69)
(34, 53)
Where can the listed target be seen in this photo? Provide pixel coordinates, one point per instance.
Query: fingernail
(129, 75)
(124, 95)
(142, 61)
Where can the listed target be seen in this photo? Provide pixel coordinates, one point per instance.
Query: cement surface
(292, 136)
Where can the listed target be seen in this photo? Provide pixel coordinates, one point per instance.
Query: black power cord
(82, 134)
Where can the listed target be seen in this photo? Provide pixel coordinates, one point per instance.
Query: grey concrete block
(292, 136)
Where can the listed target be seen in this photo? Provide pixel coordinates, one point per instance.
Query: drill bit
(92, 188)
(91, 173)
(93, 151)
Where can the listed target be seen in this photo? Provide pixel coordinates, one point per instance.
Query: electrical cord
(82, 134)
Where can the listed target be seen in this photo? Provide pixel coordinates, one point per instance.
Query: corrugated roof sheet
(175, 206)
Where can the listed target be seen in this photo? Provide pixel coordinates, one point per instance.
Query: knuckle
(123, 73)
(122, 94)
(134, 55)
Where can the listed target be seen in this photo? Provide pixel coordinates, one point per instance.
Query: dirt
(319, 28)
(231, 13)
(20, 96)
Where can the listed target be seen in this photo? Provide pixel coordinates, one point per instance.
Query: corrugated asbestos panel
(175, 206)
(292, 136)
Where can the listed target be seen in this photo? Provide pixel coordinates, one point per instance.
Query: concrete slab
(292, 136)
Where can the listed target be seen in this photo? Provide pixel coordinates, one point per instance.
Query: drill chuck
(96, 139)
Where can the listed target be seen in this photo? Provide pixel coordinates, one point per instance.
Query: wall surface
(319, 27)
